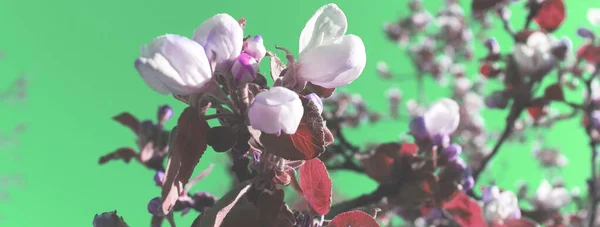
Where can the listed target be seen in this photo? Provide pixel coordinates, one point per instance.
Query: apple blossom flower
(549, 197)
(255, 47)
(244, 69)
(593, 15)
(442, 117)
(535, 54)
(500, 206)
(275, 110)
(174, 64)
(328, 57)
(222, 38)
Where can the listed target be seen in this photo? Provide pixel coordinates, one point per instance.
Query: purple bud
(585, 33)
(441, 140)
(418, 129)
(496, 100)
(244, 68)
(468, 183)
(492, 45)
(255, 48)
(155, 207)
(461, 164)
(164, 114)
(315, 99)
(159, 178)
(452, 152)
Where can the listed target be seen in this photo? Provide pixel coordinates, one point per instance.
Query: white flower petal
(174, 64)
(442, 117)
(221, 36)
(593, 15)
(535, 54)
(329, 22)
(275, 110)
(334, 63)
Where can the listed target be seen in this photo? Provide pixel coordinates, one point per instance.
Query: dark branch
(589, 109)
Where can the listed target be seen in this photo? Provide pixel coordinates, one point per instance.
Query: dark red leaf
(536, 112)
(221, 138)
(124, 153)
(307, 143)
(215, 216)
(409, 149)
(129, 121)
(551, 15)
(590, 53)
(353, 218)
(515, 223)
(244, 214)
(109, 219)
(269, 204)
(188, 143)
(320, 91)
(554, 92)
(465, 210)
(316, 185)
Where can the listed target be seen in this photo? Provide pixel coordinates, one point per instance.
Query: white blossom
(275, 110)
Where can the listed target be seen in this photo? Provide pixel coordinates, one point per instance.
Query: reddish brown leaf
(536, 112)
(128, 121)
(286, 217)
(188, 143)
(523, 222)
(551, 15)
(320, 91)
(554, 92)
(244, 214)
(156, 221)
(269, 204)
(216, 215)
(465, 210)
(590, 53)
(353, 218)
(409, 149)
(316, 185)
(307, 143)
(124, 153)
(294, 182)
(221, 138)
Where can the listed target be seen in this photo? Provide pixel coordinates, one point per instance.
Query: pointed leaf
(307, 143)
(124, 153)
(316, 185)
(221, 138)
(128, 121)
(270, 204)
(554, 92)
(215, 216)
(551, 15)
(276, 66)
(353, 218)
(244, 213)
(465, 210)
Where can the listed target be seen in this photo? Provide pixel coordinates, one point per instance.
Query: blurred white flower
(328, 57)
(222, 38)
(551, 198)
(593, 15)
(275, 110)
(500, 206)
(174, 64)
(442, 117)
(535, 54)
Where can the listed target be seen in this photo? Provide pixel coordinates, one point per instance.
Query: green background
(79, 55)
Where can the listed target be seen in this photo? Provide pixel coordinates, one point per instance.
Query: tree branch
(589, 109)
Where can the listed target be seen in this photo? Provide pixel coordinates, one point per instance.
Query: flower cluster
(291, 132)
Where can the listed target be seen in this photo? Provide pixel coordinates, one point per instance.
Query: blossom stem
(589, 108)
(367, 199)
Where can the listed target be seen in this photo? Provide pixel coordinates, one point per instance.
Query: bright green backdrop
(80, 56)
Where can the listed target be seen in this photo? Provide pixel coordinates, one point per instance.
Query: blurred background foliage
(79, 57)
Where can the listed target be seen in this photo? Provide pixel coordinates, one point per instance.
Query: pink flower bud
(244, 69)
(255, 47)
(275, 110)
